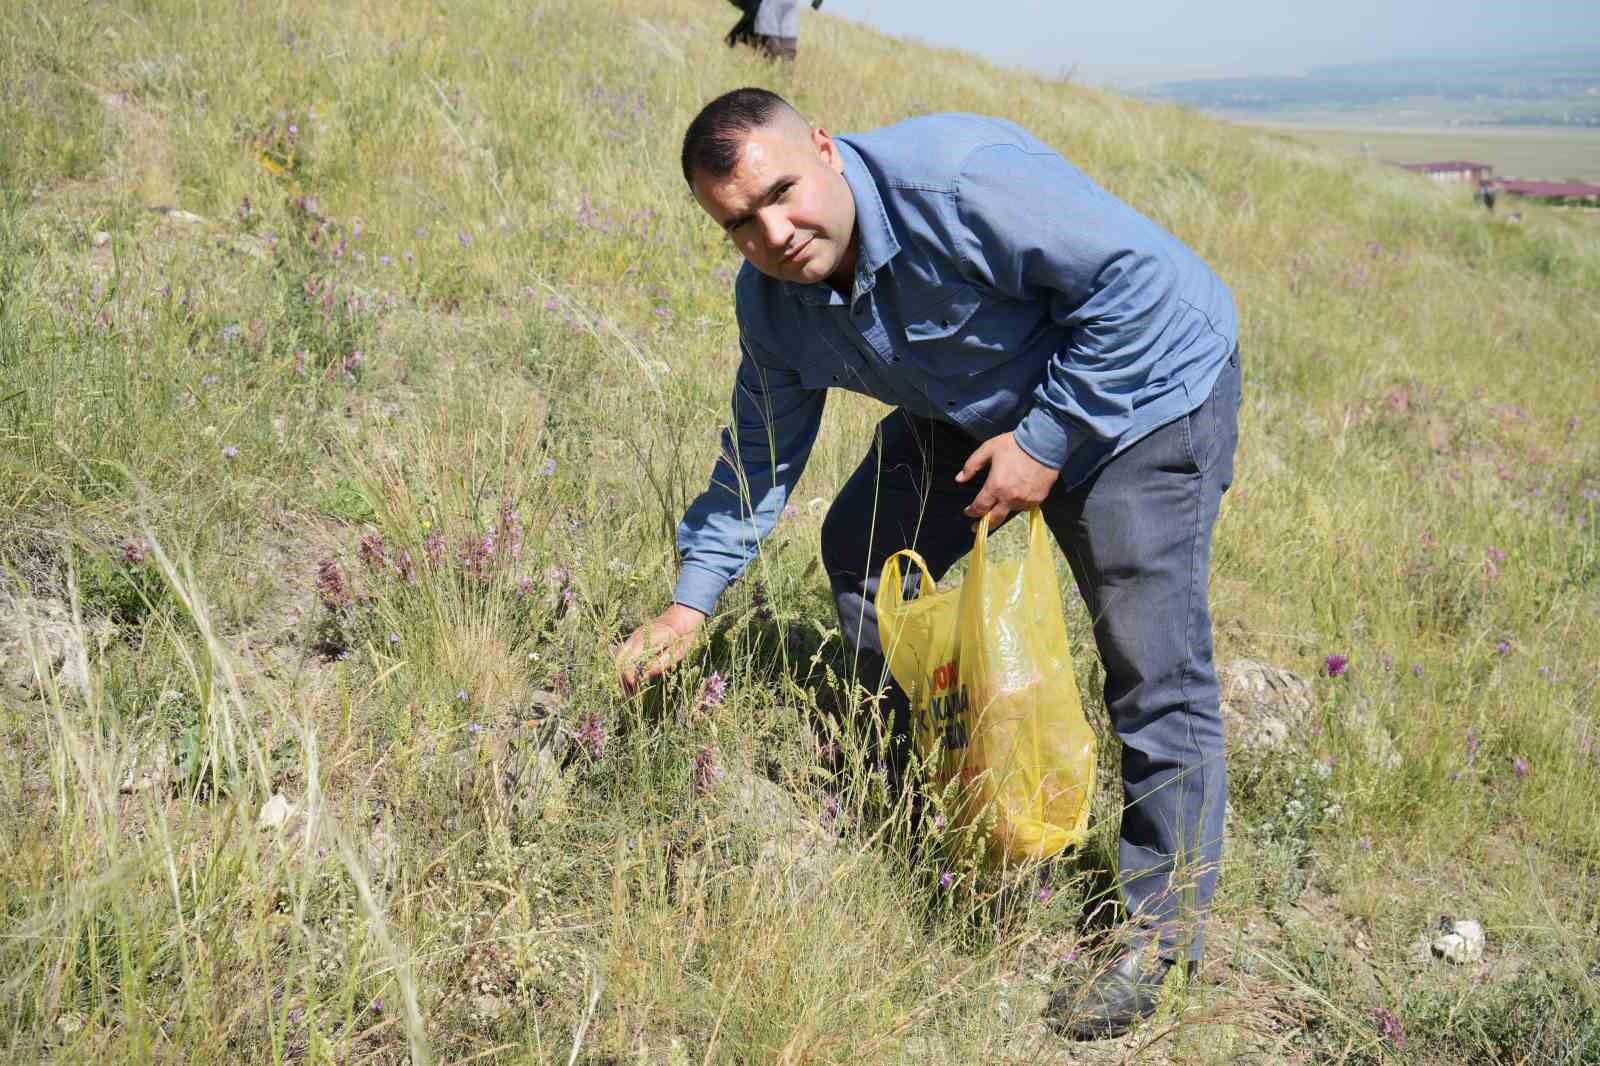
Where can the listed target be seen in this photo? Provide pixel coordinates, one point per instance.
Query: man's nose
(777, 230)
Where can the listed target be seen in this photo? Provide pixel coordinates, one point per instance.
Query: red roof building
(1546, 190)
(1455, 171)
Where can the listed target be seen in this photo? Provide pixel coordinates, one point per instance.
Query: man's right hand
(657, 646)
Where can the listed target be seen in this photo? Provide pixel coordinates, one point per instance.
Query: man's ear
(827, 149)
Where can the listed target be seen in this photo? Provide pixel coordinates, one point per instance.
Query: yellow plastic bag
(994, 702)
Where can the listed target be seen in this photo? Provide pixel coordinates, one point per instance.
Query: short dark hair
(712, 143)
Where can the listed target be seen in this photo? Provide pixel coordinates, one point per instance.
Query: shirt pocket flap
(945, 315)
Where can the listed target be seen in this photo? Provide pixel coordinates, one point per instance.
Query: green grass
(275, 549)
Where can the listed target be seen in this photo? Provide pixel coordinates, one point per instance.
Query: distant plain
(1544, 153)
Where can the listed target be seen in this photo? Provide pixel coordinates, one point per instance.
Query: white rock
(1462, 945)
(274, 813)
(184, 216)
(100, 239)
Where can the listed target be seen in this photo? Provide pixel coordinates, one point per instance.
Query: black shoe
(1111, 1002)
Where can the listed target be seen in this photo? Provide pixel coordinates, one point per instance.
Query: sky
(1140, 41)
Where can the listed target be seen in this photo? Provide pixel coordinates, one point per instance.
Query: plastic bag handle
(1036, 541)
(894, 579)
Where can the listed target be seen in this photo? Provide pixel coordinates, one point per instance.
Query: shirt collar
(875, 240)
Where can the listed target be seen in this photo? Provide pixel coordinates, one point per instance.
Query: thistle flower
(133, 552)
(1503, 648)
(1334, 665)
(1389, 1026)
(946, 879)
(371, 551)
(331, 585)
(712, 693)
(706, 770)
(591, 736)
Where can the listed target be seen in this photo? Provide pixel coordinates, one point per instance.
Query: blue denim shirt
(997, 288)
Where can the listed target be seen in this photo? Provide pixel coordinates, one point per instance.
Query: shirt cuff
(699, 588)
(1046, 438)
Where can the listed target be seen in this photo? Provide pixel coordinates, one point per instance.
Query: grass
(354, 369)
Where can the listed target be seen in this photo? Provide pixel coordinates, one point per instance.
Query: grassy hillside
(355, 363)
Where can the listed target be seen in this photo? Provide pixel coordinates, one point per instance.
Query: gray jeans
(1137, 535)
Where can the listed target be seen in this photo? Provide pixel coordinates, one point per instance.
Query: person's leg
(786, 48)
(1138, 538)
(903, 495)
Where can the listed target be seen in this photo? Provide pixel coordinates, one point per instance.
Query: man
(1043, 345)
(770, 25)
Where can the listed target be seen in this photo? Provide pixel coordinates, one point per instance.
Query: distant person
(1042, 345)
(1488, 198)
(773, 26)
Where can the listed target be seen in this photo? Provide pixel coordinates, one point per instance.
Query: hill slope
(355, 364)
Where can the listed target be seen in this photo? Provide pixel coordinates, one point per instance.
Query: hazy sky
(1131, 41)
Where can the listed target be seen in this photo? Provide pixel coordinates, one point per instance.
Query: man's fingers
(975, 462)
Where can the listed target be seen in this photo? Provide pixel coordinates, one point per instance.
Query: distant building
(1565, 191)
(1454, 172)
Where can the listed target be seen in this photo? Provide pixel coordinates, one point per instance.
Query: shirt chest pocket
(947, 335)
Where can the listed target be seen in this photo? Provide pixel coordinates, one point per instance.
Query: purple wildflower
(552, 304)
(712, 693)
(1044, 894)
(1416, 669)
(1364, 843)
(1504, 647)
(405, 568)
(230, 333)
(385, 260)
(465, 238)
(591, 736)
(407, 255)
(1334, 665)
(394, 638)
(1472, 743)
(473, 727)
(230, 452)
(133, 552)
(461, 694)
(1388, 662)
(433, 547)
(1519, 766)
(477, 556)
(547, 468)
(1496, 554)
(946, 879)
(524, 587)
(331, 585)
(706, 770)
(508, 529)
(1389, 1026)
(209, 380)
(371, 551)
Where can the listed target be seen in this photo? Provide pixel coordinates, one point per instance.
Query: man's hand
(657, 646)
(1016, 482)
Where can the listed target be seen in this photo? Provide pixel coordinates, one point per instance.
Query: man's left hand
(1016, 482)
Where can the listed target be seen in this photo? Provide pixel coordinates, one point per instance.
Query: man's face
(787, 206)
